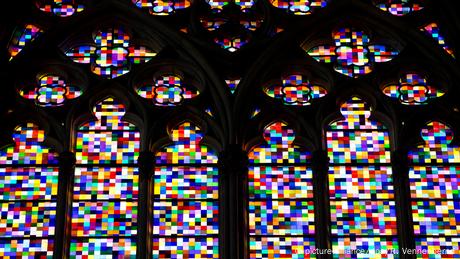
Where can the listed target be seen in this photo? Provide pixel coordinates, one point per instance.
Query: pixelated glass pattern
(376, 248)
(361, 191)
(438, 247)
(28, 193)
(281, 247)
(162, 7)
(279, 147)
(167, 90)
(281, 209)
(22, 37)
(186, 247)
(352, 53)
(111, 54)
(108, 139)
(434, 31)
(412, 89)
(186, 148)
(434, 184)
(399, 7)
(299, 7)
(51, 91)
(106, 185)
(295, 90)
(26, 248)
(104, 248)
(61, 8)
(185, 197)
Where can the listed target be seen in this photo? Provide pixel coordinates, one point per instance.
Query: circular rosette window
(167, 90)
(50, 90)
(412, 89)
(295, 90)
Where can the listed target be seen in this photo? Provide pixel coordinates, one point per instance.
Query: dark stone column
(146, 163)
(64, 204)
(320, 167)
(233, 171)
(400, 166)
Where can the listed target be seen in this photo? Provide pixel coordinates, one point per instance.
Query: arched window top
(356, 113)
(109, 113)
(28, 148)
(437, 149)
(279, 147)
(186, 148)
(162, 7)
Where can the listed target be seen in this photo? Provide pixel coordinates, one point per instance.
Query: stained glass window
(281, 210)
(295, 90)
(361, 193)
(105, 190)
(52, 90)
(61, 8)
(434, 31)
(22, 37)
(162, 7)
(412, 89)
(185, 197)
(299, 7)
(400, 7)
(232, 84)
(111, 54)
(28, 194)
(352, 53)
(167, 90)
(434, 185)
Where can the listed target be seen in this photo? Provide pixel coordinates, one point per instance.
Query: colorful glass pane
(104, 218)
(22, 37)
(104, 248)
(162, 7)
(232, 84)
(27, 219)
(280, 182)
(174, 182)
(299, 7)
(282, 247)
(105, 183)
(358, 146)
(28, 183)
(52, 91)
(186, 247)
(399, 7)
(363, 217)
(28, 149)
(434, 31)
(435, 182)
(61, 8)
(279, 147)
(433, 217)
(111, 54)
(26, 248)
(412, 90)
(361, 182)
(356, 115)
(437, 136)
(352, 54)
(167, 90)
(438, 247)
(275, 217)
(186, 148)
(295, 90)
(365, 248)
